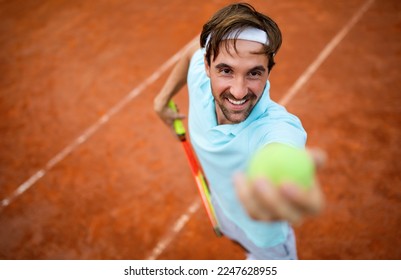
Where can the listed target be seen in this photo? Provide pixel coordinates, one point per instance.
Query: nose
(239, 88)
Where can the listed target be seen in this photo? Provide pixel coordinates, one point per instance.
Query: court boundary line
(83, 137)
(301, 81)
(177, 227)
(288, 96)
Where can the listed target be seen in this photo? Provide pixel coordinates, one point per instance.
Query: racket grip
(178, 124)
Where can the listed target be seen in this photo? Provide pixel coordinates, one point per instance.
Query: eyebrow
(256, 68)
(222, 65)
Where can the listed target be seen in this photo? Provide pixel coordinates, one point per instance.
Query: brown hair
(237, 17)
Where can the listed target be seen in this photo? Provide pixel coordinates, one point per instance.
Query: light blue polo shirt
(224, 149)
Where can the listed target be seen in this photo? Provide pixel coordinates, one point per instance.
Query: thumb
(319, 157)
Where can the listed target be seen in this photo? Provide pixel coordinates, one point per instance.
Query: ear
(207, 66)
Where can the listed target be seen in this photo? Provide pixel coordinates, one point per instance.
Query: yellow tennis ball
(281, 163)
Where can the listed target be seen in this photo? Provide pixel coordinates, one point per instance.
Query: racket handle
(178, 124)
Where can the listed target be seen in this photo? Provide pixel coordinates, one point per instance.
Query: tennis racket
(197, 172)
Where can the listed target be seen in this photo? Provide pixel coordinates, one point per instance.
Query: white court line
(93, 128)
(165, 241)
(324, 54)
(178, 226)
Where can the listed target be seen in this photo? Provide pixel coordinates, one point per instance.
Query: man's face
(238, 78)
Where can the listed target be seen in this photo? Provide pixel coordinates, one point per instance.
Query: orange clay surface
(120, 192)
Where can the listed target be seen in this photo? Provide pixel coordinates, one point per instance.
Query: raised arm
(173, 85)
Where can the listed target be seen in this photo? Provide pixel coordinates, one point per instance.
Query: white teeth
(235, 102)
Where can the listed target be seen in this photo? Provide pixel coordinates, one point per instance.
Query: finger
(319, 157)
(179, 116)
(270, 199)
(168, 116)
(246, 196)
(169, 113)
(306, 201)
(262, 201)
(173, 110)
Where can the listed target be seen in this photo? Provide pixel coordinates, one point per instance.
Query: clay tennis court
(88, 171)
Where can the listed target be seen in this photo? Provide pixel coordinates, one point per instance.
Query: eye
(225, 71)
(255, 74)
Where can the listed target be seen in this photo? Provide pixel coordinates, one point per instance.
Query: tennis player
(231, 116)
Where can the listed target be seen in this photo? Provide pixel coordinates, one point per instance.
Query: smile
(237, 102)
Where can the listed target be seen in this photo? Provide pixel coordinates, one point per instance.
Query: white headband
(250, 34)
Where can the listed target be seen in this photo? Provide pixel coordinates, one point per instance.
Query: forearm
(174, 83)
(176, 80)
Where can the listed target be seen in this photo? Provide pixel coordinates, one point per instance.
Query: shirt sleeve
(282, 127)
(196, 72)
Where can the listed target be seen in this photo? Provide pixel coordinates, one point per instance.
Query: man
(231, 116)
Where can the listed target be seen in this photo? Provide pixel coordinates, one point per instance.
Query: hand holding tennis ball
(280, 184)
(281, 163)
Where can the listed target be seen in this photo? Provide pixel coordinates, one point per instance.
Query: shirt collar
(233, 129)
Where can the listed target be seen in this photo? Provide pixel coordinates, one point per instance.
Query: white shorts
(284, 251)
